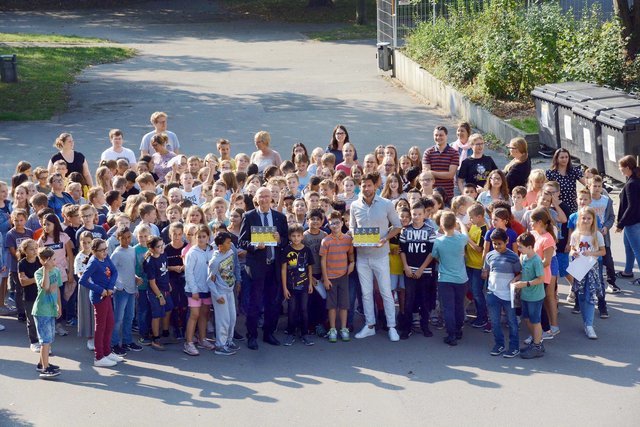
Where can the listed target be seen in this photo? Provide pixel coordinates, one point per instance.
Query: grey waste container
(567, 100)
(8, 68)
(385, 56)
(586, 143)
(544, 98)
(620, 137)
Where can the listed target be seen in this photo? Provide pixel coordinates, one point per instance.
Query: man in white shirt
(117, 151)
(159, 122)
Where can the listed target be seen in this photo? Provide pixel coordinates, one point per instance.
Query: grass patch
(43, 76)
(527, 124)
(47, 38)
(352, 32)
(343, 11)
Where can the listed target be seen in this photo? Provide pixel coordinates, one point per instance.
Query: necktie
(265, 222)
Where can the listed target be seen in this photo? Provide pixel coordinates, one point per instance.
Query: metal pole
(394, 17)
(433, 18)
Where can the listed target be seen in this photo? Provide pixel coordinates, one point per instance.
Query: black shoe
(237, 336)
(615, 289)
(252, 343)
(118, 350)
(51, 366)
(451, 341)
(404, 335)
(49, 373)
(270, 339)
(624, 275)
(604, 313)
(427, 332)
(459, 335)
(132, 347)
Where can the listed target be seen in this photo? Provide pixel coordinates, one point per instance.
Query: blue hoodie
(98, 276)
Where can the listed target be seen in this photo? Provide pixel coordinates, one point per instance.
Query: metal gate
(396, 18)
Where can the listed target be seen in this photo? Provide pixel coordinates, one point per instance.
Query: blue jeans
(495, 306)
(124, 309)
(631, 246)
(452, 297)
(354, 287)
(144, 321)
(587, 309)
(477, 289)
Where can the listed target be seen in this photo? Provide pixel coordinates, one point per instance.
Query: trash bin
(587, 140)
(385, 55)
(567, 100)
(8, 68)
(620, 137)
(547, 109)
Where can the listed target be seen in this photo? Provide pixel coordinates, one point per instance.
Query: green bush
(503, 50)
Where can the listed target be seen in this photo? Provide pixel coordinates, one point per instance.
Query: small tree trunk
(361, 12)
(630, 19)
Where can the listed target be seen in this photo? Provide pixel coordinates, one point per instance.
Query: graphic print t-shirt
(156, 269)
(298, 262)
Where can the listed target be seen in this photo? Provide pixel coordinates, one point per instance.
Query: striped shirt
(440, 162)
(336, 250)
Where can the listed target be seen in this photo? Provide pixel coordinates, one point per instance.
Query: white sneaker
(105, 362)
(115, 357)
(393, 335)
(206, 345)
(35, 347)
(60, 330)
(591, 333)
(2, 328)
(366, 331)
(91, 344)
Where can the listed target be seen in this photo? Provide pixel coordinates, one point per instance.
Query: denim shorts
(158, 311)
(532, 310)
(397, 281)
(46, 327)
(555, 267)
(563, 263)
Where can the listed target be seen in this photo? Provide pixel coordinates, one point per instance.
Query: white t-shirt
(126, 153)
(194, 196)
(172, 145)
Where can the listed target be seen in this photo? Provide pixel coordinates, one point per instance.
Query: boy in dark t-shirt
(297, 284)
(175, 265)
(416, 242)
(27, 266)
(12, 241)
(312, 239)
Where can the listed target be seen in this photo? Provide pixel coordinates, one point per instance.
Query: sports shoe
(118, 350)
(604, 313)
(2, 328)
(497, 350)
(487, 328)
(8, 311)
(321, 332)
(91, 344)
(190, 349)
(427, 332)
(35, 347)
(344, 334)
(615, 289)
(105, 362)
(404, 335)
(333, 335)
(115, 357)
(51, 365)
(204, 344)
(555, 330)
(306, 340)
(132, 347)
(547, 335)
(233, 346)
(591, 333)
(529, 340)
(622, 274)
(450, 340)
(511, 353)
(365, 332)
(49, 373)
(571, 298)
(224, 351)
(532, 352)
(289, 340)
(576, 308)
(144, 341)
(478, 325)
(237, 336)
(60, 330)
(393, 335)
(157, 345)
(440, 324)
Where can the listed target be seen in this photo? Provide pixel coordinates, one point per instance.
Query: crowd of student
(162, 239)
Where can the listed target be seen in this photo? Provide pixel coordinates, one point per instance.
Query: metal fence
(396, 18)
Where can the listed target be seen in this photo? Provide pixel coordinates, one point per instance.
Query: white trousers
(378, 267)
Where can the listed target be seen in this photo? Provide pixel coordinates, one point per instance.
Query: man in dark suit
(263, 267)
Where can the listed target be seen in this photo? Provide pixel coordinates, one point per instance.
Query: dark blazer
(256, 260)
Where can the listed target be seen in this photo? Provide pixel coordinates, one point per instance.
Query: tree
(630, 17)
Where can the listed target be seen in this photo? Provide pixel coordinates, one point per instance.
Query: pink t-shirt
(60, 253)
(543, 242)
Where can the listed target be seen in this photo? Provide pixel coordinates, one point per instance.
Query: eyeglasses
(479, 144)
(340, 133)
(335, 223)
(101, 250)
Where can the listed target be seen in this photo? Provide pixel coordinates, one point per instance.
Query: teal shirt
(449, 251)
(46, 303)
(532, 268)
(140, 251)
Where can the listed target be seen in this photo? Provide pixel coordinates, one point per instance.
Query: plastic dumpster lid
(549, 91)
(571, 98)
(590, 109)
(620, 118)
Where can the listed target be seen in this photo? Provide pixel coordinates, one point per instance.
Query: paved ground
(223, 78)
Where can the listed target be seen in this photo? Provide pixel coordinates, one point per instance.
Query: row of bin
(598, 125)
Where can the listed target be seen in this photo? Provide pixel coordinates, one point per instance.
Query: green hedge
(502, 50)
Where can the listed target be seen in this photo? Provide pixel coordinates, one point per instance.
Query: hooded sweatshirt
(196, 271)
(224, 269)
